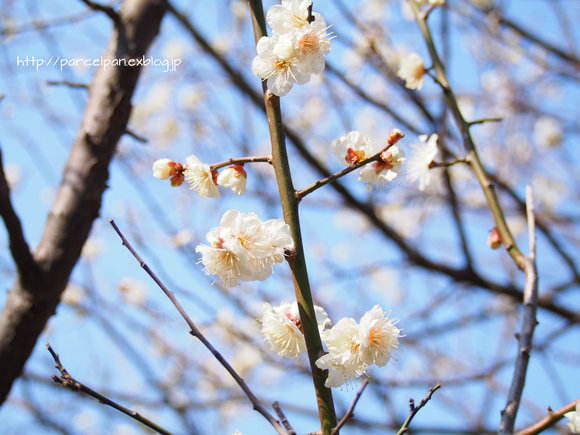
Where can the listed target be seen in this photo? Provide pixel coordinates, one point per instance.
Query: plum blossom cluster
(243, 248)
(296, 49)
(352, 347)
(201, 177)
(356, 147)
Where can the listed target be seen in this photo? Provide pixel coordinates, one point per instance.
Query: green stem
(472, 156)
(296, 259)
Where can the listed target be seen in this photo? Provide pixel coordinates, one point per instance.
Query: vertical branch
(472, 155)
(296, 259)
(529, 322)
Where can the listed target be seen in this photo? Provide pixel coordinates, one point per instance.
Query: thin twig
(283, 418)
(450, 163)
(68, 84)
(197, 334)
(529, 322)
(242, 160)
(484, 120)
(549, 420)
(67, 381)
(415, 409)
(319, 183)
(350, 412)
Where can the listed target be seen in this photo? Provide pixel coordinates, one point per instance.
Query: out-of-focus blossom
(548, 132)
(412, 70)
(423, 154)
(574, 417)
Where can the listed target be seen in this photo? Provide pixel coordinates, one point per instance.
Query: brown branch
(283, 419)
(350, 412)
(242, 160)
(17, 241)
(34, 297)
(549, 420)
(194, 330)
(319, 183)
(415, 409)
(67, 381)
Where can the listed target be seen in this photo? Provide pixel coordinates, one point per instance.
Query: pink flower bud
(494, 240)
(394, 136)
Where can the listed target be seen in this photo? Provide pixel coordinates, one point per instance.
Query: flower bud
(494, 240)
(234, 177)
(162, 169)
(394, 136)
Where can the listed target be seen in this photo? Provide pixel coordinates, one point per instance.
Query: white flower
(225, 257)
(547, 132)
(412, 71)
(423, 154)
(378, 336)
(352, 148)
(342, 361)
(244, 248)
(296, 48)
(289, 16)
(353, 348)
(384, 170)
(162, 169)
(234, 177)
(311, 44)
(282, 328)
(201, 178)
(574, 417)
(277, 63)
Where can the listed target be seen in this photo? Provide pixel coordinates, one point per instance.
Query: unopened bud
(394, 136)
(162, 169)
(494, 240)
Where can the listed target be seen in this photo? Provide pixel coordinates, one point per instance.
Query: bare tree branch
(18, 246)
(34, 297)
(415, 409)
(350, 412)
(549, 420)
(194, 330)
(529, 322)
(72, 384)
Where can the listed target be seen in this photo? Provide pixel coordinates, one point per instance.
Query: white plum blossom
(383, 170)
(201, 178)
(277, 63)
(290, 16)
(234, 177)
(352, 348)
(296, 48)
(352, 148)
(412, 70)
(343, 359)
(282, 328)
(243, 248)
(378, 336)
(423, 154)
(574, 417)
